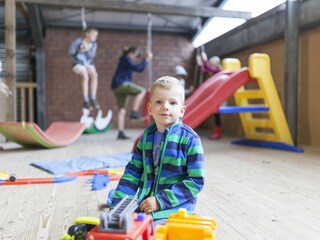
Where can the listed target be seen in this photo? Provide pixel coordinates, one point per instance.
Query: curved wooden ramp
(59, 134)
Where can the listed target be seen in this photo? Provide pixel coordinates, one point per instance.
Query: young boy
(83, 50)
(167, 167)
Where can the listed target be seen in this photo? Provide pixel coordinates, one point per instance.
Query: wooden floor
(253, 193)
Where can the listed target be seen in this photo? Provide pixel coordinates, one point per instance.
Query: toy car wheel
(12, 178)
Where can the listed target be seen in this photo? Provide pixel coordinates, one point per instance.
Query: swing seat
(99, 124)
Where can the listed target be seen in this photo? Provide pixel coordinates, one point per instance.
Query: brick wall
(63, 88)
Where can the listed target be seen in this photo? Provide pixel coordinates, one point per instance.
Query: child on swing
(83, 50)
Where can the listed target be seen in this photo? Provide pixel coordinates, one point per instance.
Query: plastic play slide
(27, 134)
(211, 94)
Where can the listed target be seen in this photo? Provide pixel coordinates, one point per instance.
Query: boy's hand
(149, 205)
(84, 46)
(204, 56)
(148, 56)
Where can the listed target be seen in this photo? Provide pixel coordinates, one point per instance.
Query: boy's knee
(85, 77)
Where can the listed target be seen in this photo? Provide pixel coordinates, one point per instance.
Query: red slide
(211, 94)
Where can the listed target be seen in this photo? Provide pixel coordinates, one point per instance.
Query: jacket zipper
(160, 161)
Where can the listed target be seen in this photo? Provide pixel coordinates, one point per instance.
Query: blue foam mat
(68, 165)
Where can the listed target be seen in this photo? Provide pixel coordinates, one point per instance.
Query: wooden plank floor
(253, 193)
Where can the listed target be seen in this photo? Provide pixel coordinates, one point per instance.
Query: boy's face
(166, 107)
(91, 36)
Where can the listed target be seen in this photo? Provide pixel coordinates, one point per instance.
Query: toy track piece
(26, 181)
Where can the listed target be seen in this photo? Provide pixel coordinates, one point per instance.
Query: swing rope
(83, 19)
(149, 49)
(200, 50)
(150, 71)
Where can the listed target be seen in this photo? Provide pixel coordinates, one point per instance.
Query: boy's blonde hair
(89, 30)
(168, 82)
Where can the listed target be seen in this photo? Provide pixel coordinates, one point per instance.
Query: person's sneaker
(216, 134)
(136, 116)
(87, 105)
(122, 136)
(95, 104)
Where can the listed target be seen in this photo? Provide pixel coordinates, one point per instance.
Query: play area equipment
(59, 134)
(120, 223)
(99, 181)
(260, 109)
(27, 181)
(5, 176)
(112, 176)
(96, 124)
(181, 225)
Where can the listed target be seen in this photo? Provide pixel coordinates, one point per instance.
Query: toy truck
(121, 223)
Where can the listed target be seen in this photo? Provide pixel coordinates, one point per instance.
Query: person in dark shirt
(123, 87)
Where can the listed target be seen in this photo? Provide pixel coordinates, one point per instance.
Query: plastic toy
(120, 223)
(99, 181)
(112, 175)
(26, 181)
(98, 124)
(271, 129)
(181, 225)
(27, 134)
(80, 228)
(6, 176)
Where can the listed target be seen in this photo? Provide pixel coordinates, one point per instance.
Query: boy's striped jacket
(176, 181)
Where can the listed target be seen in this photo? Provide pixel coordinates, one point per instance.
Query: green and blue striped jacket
(176, 181)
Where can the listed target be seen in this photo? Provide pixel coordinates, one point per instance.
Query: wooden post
(35, 20)
(10, 42)
(291, 66)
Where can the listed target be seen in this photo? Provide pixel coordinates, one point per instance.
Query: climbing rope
(83, 18)
(150, 71)
(149, 49)
(200, 50)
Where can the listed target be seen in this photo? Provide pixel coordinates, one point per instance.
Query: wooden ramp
(59, 134)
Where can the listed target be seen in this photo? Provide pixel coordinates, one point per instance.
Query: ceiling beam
(268, 27)
(259, 30)
(143, 7)
(125, 27)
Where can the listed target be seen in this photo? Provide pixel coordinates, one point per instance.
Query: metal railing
(26, 93)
